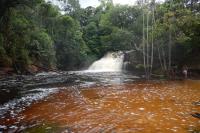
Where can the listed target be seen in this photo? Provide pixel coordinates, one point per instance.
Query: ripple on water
(131, 107)
(17, 105)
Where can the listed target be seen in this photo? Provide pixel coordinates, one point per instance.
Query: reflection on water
(119, 105)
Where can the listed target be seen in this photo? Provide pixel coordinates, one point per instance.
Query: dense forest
(158, 36)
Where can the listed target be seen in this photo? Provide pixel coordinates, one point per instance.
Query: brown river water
(129, 107)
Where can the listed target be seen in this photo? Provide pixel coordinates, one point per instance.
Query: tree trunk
(170, 49)
(164, 60)
(143, 39)
(160, 59)
(152, 41)
(147, 44)
(191, 5)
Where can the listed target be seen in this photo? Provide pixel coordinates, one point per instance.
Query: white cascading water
(111, 62)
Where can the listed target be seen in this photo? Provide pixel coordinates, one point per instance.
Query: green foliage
(41, 48)
(118, 40)
(91, 38)
(123, 16)
(2, 50)
(4, 59)
(184, 27)
(35, 32)
(70, 46)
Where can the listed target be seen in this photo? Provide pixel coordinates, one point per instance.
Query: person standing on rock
(185, 71)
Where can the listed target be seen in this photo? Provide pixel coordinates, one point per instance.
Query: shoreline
(179, 76)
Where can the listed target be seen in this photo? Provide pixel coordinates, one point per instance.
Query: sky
(86, 3)
(95, 3)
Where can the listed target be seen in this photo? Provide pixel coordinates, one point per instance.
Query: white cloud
(124, 2)
(95, 3)
(129, 2)
(86, 3)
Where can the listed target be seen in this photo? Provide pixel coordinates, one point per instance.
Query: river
(85, 102)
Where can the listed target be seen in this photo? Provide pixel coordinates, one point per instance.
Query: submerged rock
(196, 103)
(196, 115)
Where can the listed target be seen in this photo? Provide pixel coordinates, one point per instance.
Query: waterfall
(111, 62)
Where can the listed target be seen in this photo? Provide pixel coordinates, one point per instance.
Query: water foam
(111, 62)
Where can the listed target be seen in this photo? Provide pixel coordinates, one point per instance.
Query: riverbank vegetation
(35, 34)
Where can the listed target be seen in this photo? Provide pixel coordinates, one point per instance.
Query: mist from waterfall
(111, 62)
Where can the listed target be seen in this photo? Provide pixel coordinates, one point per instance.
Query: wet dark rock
(196, 103)
(24, 81)
(6, 94)
(6, 71)
(196, 115)
(12, 86)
